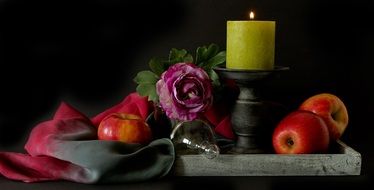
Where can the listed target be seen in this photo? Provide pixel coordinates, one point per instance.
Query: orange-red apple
(331, 109)
(127, 128)
(301, 132)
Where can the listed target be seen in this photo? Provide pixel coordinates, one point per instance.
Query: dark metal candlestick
(250, 116)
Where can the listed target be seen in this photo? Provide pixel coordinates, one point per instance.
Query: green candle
(250, 45)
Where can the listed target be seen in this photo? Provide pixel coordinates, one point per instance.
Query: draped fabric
(66, 148)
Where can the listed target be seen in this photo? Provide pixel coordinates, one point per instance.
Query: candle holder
(251, 116)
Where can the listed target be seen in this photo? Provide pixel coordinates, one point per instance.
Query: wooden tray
(346, 161)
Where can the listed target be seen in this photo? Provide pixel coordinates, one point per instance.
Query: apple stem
(334, 116)
(290, 142)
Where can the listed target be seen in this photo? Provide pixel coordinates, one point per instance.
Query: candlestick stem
(248, 119)
(252, 118)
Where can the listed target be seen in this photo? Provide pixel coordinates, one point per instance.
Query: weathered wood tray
(344, 161)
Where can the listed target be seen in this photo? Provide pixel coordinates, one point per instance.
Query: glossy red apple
(331, 109)
(301, 132)
(127, 128)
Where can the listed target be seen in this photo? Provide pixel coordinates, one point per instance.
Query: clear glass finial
(194, 137)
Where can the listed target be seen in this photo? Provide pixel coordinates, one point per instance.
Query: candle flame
(251, 15)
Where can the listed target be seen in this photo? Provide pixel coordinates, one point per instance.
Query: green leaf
(204, 54)
(200, 51)
(148, 90)
(215, 61)
(157, 65)
(214, 77)
(146, 81)
(146, 77)
(211, 51)
(188, 58)
(177, 56)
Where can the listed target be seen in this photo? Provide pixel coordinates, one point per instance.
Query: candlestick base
(251, 116)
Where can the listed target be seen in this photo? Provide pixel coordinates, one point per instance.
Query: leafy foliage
(206, 58)
(146, 81)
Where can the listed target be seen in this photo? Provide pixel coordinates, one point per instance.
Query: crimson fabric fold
(66, 148)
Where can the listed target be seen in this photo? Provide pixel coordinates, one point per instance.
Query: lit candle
(250, 44)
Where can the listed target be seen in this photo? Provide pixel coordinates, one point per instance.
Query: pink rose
(185, 91)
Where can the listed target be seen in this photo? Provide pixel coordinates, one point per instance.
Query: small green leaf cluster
(207, 57)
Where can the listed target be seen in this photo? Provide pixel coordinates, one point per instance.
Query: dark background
(86, 53)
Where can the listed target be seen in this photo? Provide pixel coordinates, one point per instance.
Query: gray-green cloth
(113, 161)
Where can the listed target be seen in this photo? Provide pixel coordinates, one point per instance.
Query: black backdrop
(86, 53)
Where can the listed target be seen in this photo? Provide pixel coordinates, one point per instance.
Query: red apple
(301, 132)
(331, 109)
(127, 128)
